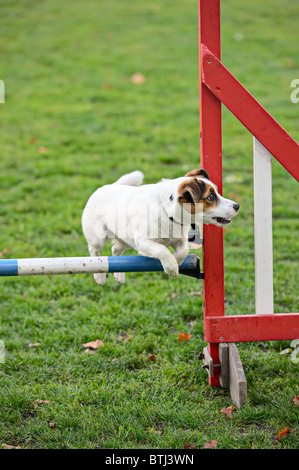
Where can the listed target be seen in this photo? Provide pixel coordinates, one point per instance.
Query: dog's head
(200, 194)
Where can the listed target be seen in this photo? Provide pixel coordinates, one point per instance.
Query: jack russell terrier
(152, 217)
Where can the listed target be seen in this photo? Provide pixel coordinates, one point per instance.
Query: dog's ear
(199, 172)
(190, 191)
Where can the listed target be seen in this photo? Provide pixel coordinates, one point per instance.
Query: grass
(72, 121)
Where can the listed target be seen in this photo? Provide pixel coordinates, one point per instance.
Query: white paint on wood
(76, 265)
(263, 229)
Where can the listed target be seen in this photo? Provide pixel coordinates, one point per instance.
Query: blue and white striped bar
(84, 265)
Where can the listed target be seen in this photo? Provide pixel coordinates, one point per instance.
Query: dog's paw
(120, 277)
(100, 278)
(172, 269)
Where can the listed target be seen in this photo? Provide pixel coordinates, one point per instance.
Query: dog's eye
(171, 197)
(211, 197)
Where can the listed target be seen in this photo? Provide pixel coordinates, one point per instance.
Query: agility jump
(216, 85)
(85, 265)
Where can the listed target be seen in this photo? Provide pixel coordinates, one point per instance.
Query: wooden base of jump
(231, 373)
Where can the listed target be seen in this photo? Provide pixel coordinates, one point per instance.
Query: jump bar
(85, 265)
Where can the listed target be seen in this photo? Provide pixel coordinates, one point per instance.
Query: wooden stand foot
(231, 373)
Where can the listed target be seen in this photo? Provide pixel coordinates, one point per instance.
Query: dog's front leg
(181, 251)
(153, 249)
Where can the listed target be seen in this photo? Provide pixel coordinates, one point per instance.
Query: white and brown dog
(152, 217)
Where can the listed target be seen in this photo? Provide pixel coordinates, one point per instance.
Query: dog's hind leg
(100, 278)
(117, 250)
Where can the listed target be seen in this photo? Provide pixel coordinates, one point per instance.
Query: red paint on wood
(241, 328)
(249, 111)
(211, 160)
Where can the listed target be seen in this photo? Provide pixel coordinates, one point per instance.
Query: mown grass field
(73, 120)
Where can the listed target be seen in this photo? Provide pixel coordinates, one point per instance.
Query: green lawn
(74, 120)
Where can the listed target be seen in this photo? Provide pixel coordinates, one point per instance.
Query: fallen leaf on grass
(184, 337)
(107, 86)
(98, 343)
(7, 446)
(33, 345)
(152, 357)
(283, 433)
(187, 445)
(38, 401)
(52, 425)
(125, 337)
(210, 444)
(42, 149)
(153, 430)
(291, 63)
(228, 411)
(138, 78)
(296, 400)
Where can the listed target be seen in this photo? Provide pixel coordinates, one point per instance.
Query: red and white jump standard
(217, 85)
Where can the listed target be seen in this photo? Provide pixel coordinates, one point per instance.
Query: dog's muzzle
(226, 221)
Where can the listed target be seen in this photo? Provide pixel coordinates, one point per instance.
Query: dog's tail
(131, 179)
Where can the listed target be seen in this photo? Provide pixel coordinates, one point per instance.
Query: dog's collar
(172, 219)
(175, 221)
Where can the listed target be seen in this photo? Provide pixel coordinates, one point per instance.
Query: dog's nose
(236, 207)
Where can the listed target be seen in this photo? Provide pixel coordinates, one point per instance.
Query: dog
(153, 217)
